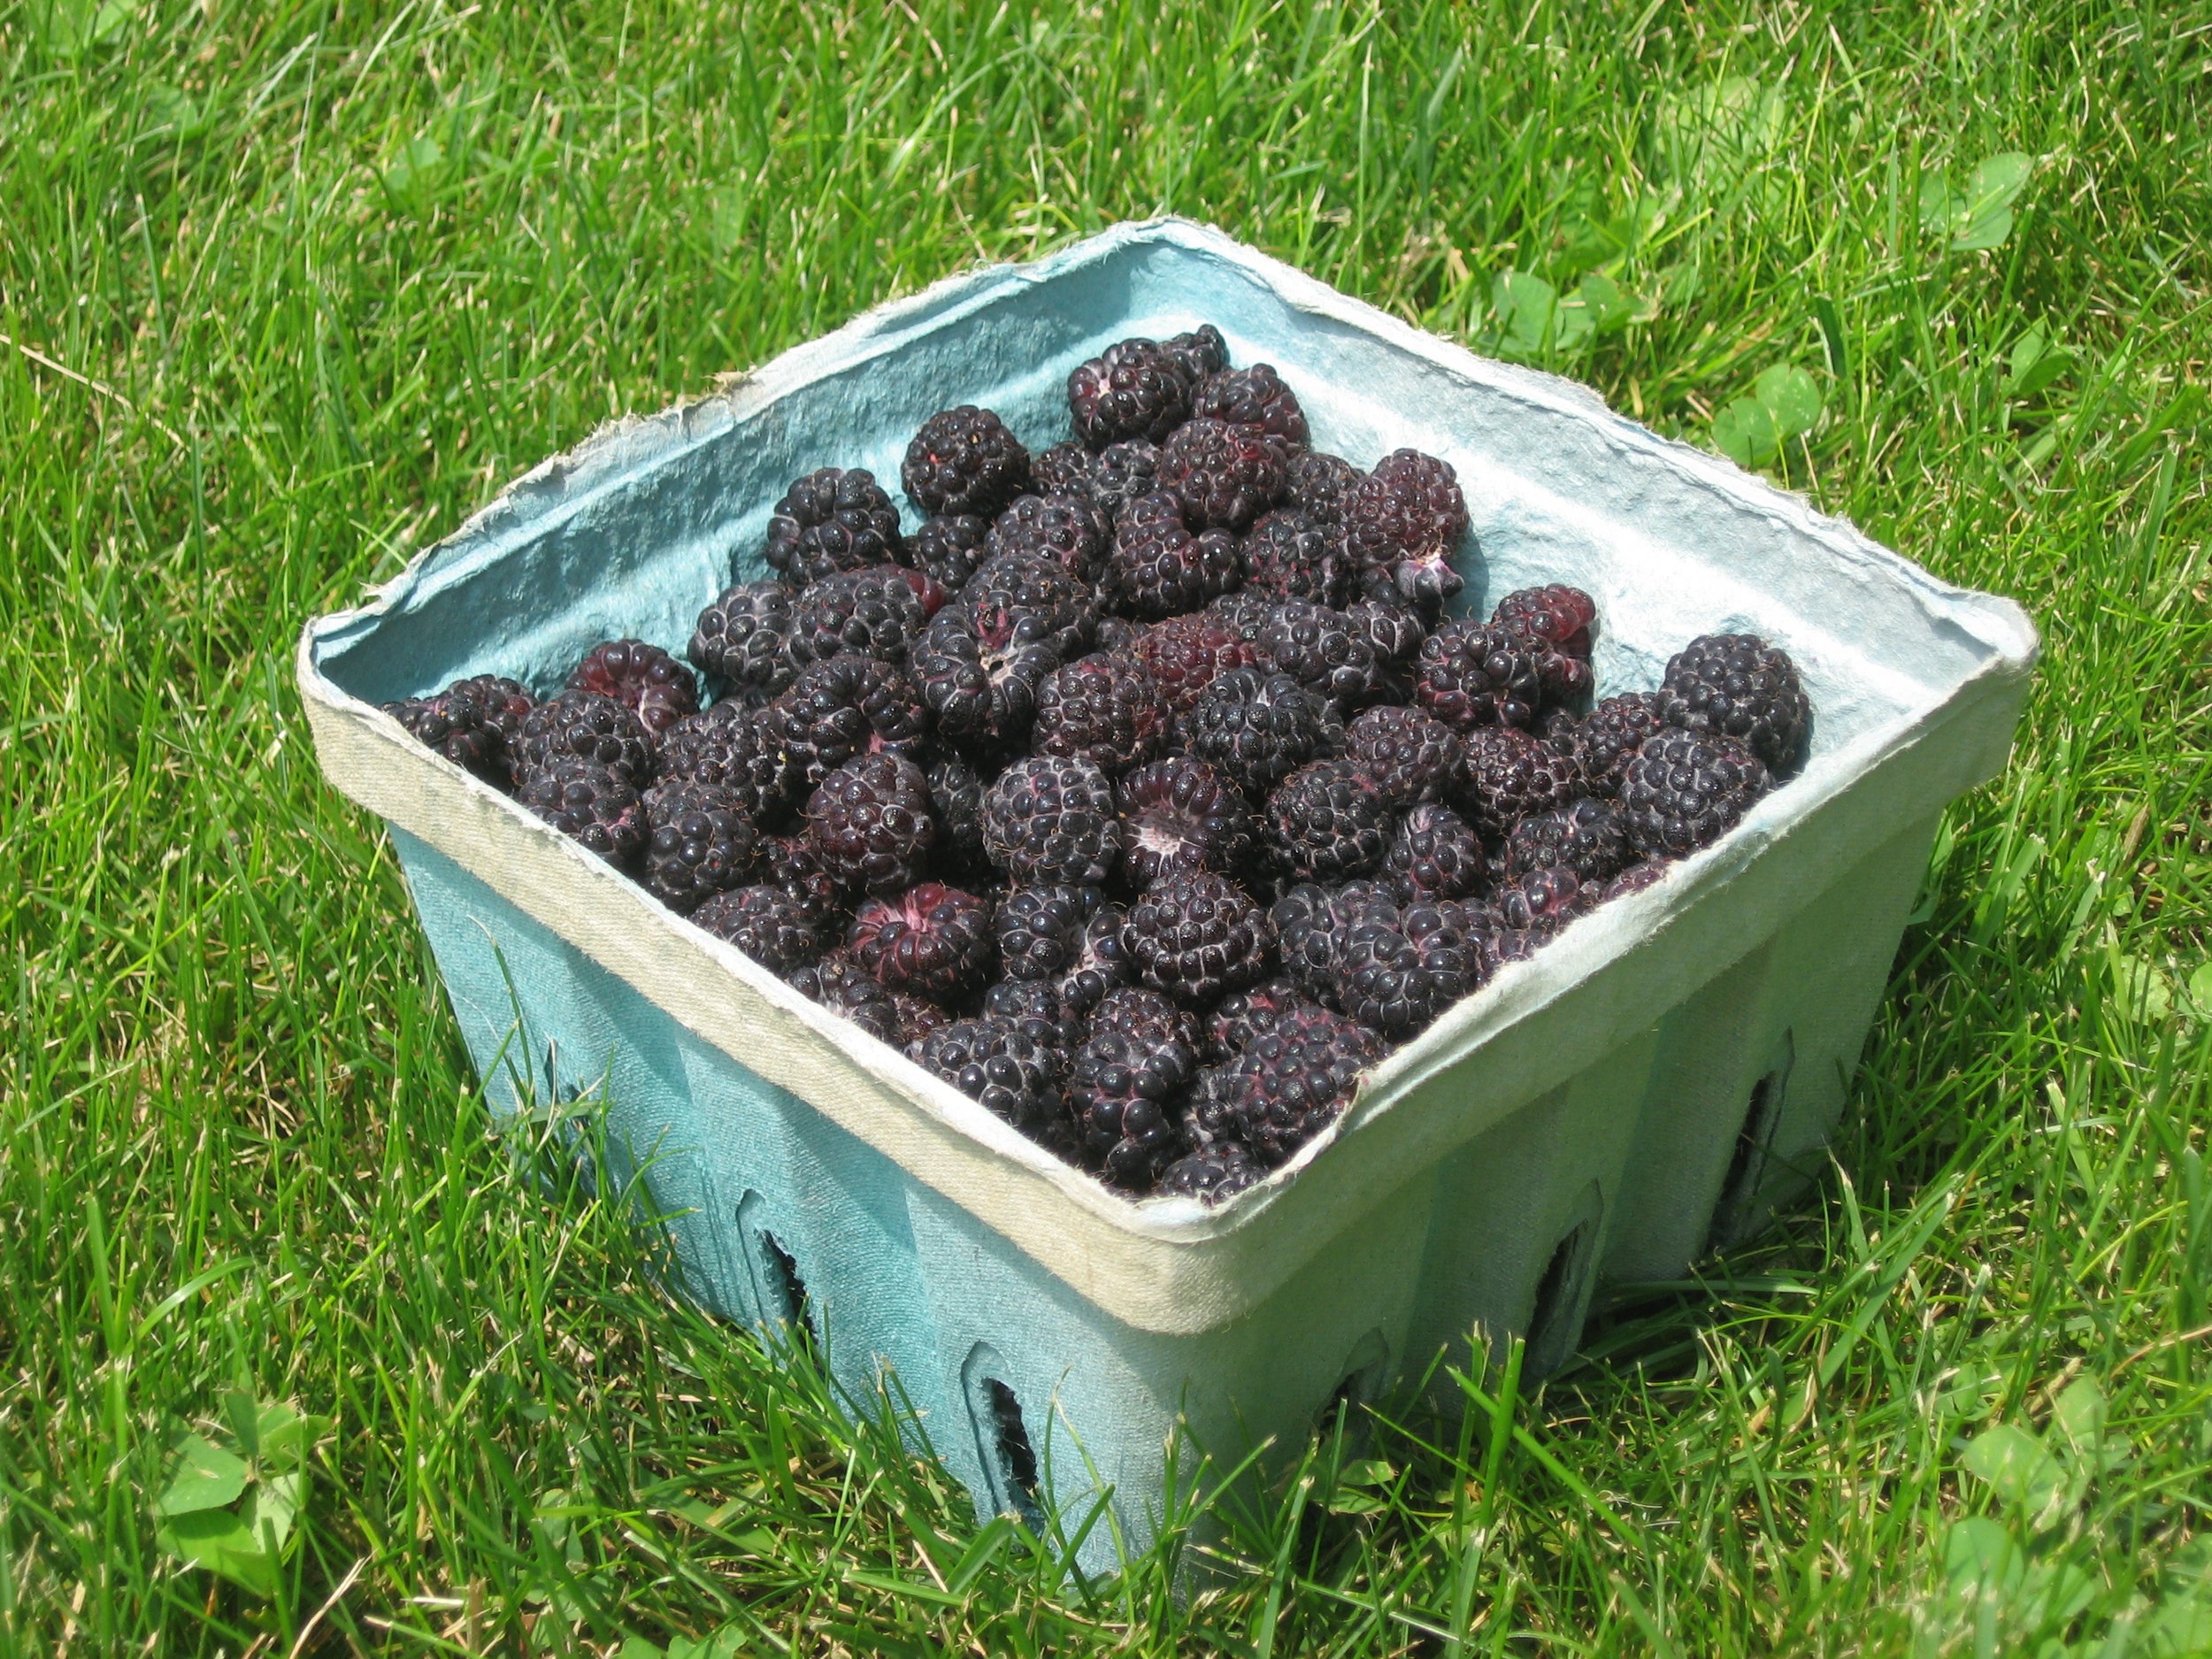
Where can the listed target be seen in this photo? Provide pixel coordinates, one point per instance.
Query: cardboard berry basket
(1645, 1086)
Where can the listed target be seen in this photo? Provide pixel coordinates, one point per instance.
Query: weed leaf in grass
(1977, 214)
(2034, 364)
(223, 1542)
(1525, 307)
(72, 26)
(1531, 317)
(2201, 990)
(414, 171)
(2183, 1622)
(231, 1508)
(2143, 992)
(205, 1476)
(2016, 1466)
(1783, 404)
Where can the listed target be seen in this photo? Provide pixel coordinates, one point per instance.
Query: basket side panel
(1520, 1217)
(1752, 1070)
(774, 1215)
(1111, 1408)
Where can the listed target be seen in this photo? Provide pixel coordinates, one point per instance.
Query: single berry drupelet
(1320, 484)
(1072, 529)
(1106, 708)
(1321, 649)
(1051, 818)
(1407, 519)
(1509, 774)
(948, 548)
(1556, 620)
(1122, 1092)
(1226, 476)
(731, 748)
(767, 922)
(1212, 1174)
(743, 640)
(932, 940)
(640, 677)
(1196, 935)
(1258, 726)
(1291, 1082)
(965, 460)
(1542, 900)
(700, 840)
(844, 707)
(871, 823)
(593, 804)
(1256, 396)
(832, 521)
(586, 726)
(1040, 930)
(1396, 968)
(1682, 791)
(1287, 555)
(1157, 568)
(876, 612)
(1201, 352)
(1243, 1015)
(956, 796)
(1586, 836)
(982, 696)
(1177, 815)
(1608, 737)
(1412, 757)
(1133, 390)
(1473, 673)
(1736, 684)
(473, 723)
(1433, 854)
(1011, 1066)
(1187, 654)
(1326, 821)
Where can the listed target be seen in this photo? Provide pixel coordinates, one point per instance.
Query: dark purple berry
(1326, 821)
(831, 521)
(932, 940)
(965, 460)
(1051, 818)
(871, 823)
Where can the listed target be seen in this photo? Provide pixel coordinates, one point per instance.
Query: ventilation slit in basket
(1017, 1457)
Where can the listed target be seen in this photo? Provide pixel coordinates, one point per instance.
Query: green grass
(289, 290)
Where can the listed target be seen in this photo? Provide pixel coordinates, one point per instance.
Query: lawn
(288, 290)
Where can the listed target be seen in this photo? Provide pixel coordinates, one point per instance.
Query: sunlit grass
(287, 291)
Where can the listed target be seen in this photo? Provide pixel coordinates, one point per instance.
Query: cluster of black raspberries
(1145, 792)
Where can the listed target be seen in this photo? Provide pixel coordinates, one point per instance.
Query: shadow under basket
(1649, 1086)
